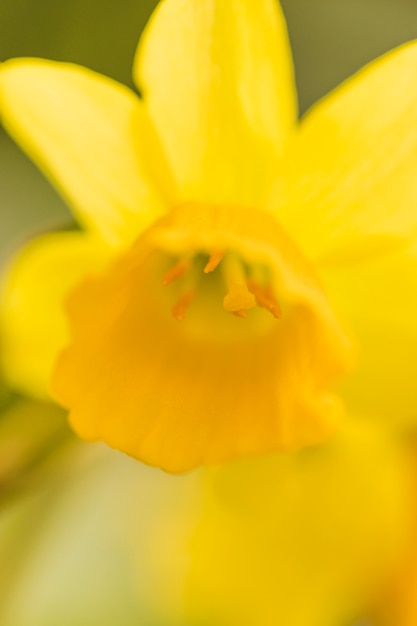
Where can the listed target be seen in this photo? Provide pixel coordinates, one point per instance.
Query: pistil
(238, 298)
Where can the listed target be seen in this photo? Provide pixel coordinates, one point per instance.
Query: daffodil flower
(231, 260)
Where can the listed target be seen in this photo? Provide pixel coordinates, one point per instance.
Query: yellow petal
(91, 137)
(379, 299)
(32, 320)
(212, 387)
(397, 606)
(305, 539)
(354, 164)
(217, 80)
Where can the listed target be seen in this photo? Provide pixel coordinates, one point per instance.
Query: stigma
(244, 288)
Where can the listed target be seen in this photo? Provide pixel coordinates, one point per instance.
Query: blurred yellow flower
(302, 539)
(204, 202)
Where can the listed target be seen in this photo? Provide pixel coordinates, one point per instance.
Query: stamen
(265, 298)
(179, 270)
(214, 260)
(180, 308)
(243, 292)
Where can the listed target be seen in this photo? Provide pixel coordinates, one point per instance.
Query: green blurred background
(331, 39)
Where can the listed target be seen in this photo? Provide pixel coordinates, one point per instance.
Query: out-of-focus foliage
(87, 536)
(29, 432)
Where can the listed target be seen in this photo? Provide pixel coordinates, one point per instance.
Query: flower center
(212, 388)
(244, 287)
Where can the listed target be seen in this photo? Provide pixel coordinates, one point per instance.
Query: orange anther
(265, 298)
(242, 314)
(179, 270)
(180, 308)
(214, 260)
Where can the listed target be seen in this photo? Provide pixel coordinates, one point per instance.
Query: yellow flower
(205, 202)
(304, 539)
